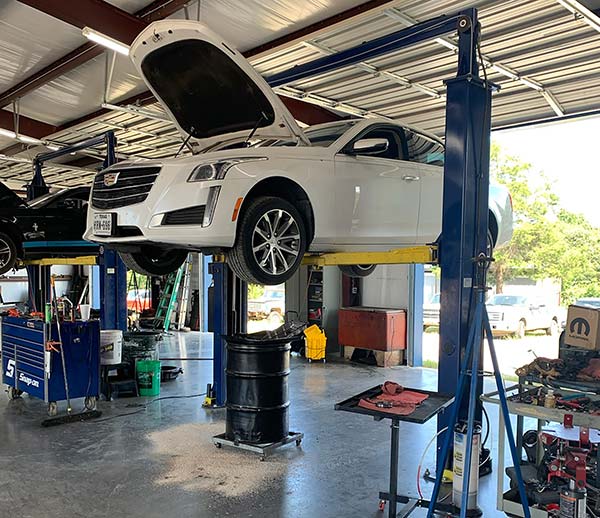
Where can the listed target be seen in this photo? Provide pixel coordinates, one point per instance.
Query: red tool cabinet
(378, 329)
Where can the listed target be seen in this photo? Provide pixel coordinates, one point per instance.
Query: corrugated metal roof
(553, 54)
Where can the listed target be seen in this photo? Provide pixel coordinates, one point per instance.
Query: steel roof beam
(488, 62)
(106, 18)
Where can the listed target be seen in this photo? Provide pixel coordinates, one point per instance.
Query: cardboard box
(582, 328)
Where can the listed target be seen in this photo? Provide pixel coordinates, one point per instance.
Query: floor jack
(480, 327)
(70, 417)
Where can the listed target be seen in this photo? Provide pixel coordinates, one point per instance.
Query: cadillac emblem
(111, 179)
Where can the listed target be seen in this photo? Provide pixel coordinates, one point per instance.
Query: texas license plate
(103, 224)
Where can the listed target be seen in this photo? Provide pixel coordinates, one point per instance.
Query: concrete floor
(160, 462)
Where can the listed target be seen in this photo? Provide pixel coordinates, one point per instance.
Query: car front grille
(189, 216)
(132, 186)
(495, 315)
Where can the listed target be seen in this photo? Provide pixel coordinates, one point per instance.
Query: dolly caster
(90, 403)
(262, 458)
(382, 505)
(218, 445)
(298, 442)
(52, 408)
(14, 393)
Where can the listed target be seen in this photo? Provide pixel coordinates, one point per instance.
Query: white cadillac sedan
(259, 188)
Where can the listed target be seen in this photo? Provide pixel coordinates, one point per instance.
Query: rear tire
(154, 261)
(271, 242)
(8, 253)
(358, 270)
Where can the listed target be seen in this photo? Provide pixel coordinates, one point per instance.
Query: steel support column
(230, 314)
(113, 291)
(465, 206)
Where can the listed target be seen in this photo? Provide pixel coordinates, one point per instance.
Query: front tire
(358, 270)
(8, 253)
(154, 261)
(270, 243)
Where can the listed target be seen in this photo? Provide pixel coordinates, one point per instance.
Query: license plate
(103, 224)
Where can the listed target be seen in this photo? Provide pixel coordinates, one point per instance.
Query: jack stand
(210, 400)
(480, 327)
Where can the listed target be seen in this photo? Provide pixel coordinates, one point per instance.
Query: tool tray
(433, 405)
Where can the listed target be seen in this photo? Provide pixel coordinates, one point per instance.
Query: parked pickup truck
(516, 314)
(270, 305)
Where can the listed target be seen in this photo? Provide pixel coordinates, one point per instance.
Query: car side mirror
(368, 146)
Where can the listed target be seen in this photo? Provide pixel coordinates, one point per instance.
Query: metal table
(432, 406)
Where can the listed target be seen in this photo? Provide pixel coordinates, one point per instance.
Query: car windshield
(592, 303)
(507, 300)
(321, 135)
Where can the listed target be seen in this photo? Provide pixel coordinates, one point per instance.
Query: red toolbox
(378, 329)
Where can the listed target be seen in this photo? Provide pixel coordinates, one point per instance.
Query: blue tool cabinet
(28, 365)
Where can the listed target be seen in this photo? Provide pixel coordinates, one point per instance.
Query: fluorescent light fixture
(105, 41)
(28, 140)
(7, 133)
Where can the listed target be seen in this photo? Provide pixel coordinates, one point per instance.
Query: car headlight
(217, 170)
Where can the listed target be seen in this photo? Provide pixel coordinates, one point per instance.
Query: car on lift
(260, 189)
(516, 314)
(51, 225)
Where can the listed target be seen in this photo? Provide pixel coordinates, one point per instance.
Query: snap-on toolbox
(30, 363)
(378, 329)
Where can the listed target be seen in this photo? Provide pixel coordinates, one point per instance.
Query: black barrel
(257, 389)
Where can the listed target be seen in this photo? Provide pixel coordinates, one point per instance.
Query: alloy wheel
(5, 253)
(276, 241)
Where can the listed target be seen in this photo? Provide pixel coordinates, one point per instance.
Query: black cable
(144, 406)
(487, 424)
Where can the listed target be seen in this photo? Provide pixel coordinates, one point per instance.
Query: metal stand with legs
(471, 370)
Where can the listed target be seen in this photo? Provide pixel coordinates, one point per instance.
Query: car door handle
(410, 178)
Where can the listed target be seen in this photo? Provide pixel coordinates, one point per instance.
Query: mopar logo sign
(28, 381)
(580, 326)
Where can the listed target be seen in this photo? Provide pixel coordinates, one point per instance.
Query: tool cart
(562, 453)
(31, 360)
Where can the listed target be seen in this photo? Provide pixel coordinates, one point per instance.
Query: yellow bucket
(316, 342)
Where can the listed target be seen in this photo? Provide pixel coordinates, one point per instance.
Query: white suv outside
(259, 188)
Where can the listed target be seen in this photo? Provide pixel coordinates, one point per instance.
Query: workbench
(435, 404)
(541, 414)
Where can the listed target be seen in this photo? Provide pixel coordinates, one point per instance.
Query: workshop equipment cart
(31, 360)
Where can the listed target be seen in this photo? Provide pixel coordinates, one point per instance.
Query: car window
(422, 149)
(393, 151)
(507, 300)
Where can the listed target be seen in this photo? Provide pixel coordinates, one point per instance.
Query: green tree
(536, 244)
(548, 241)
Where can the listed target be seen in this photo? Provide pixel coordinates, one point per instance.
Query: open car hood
(207, 86)
(8, 198)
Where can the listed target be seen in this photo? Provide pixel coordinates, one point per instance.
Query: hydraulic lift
(112, 273)
(465, 200)
(465, 210)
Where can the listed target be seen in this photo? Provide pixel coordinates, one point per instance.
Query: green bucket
(148, 377)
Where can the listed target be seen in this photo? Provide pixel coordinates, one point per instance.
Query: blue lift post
(113, 274)
(230, 316)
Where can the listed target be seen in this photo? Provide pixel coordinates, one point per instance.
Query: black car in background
(51, 225)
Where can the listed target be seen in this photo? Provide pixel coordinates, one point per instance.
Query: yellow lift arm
(413, 255)
(49, 261)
